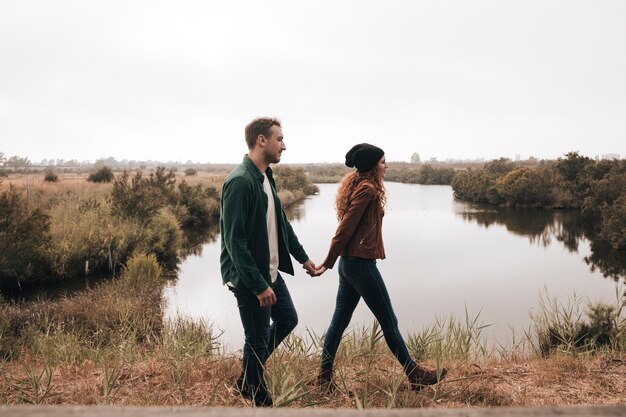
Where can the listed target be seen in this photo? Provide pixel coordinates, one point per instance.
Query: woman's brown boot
(420, 377)
(325, 381)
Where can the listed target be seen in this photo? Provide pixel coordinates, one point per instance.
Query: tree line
(596, 188)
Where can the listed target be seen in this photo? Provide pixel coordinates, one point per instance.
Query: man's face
(274, 145)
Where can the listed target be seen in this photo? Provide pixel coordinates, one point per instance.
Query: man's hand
(310, 267)
(267, 297)
(313, 270)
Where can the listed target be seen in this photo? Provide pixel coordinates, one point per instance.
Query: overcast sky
(179, 80)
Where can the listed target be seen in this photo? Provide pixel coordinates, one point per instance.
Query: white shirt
(272, 228)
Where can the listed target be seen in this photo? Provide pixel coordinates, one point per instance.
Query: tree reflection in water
(194, 238)
(541, 226)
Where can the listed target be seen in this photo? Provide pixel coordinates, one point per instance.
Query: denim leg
(372, 288)
(347, 300)
(283, 314)
(256, 327)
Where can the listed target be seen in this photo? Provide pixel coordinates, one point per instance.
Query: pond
(444, 257)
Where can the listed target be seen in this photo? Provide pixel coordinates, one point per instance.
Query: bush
(102, 175)
(294, 179)
(564, 327)
(162, 237)
(200, 204)
(435, 176)
(525, 187)
(24, 233)
(190, 172)
(476, 186)
(50, 175)
(142, 198)
(142, 271)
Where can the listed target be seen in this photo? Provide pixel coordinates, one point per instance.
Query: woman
(360, 208)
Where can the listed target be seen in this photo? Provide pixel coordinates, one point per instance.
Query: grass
(110, 346)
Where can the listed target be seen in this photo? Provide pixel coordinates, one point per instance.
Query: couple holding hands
(258, 242)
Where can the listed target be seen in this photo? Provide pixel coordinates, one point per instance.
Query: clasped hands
(313, 270)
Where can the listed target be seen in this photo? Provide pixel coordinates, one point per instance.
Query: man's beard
(272, 158)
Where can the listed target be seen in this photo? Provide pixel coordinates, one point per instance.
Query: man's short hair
(259, 126)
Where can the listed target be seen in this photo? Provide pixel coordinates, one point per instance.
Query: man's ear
(261, 140)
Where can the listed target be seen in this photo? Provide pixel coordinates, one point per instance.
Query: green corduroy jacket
(245, 257)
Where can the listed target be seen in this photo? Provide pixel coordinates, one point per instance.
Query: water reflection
(541, 226)
(604, 258)
(196, 237)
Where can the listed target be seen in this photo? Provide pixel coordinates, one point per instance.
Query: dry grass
(559, 380)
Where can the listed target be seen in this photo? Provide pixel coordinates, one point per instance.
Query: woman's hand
(319, 271)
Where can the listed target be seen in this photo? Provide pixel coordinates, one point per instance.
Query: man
(257, 241)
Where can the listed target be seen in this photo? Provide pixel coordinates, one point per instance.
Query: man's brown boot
(420, 377)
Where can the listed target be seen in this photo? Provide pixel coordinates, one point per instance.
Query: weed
(37, 386)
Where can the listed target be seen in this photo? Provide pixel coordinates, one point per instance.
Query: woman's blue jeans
(358, 278)
(261, 338)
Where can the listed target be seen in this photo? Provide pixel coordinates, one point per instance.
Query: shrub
(200, 204)
(294, 179)
(563, 326)
(476, 186)
(23, 235)
(162, 237)
(190, 172)
(142, 271)
(435, 176)
(140, 197)
(50, 175)
(525, 187)
(104, 174)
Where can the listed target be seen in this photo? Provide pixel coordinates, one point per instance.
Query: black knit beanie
(363, 156)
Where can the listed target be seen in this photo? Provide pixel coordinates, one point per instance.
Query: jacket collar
(250, 167)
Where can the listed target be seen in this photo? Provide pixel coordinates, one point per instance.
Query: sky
(179, 80)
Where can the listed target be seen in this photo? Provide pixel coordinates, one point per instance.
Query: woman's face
(381, 167)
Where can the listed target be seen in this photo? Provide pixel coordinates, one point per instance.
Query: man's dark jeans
(358, 278)
(261, 338)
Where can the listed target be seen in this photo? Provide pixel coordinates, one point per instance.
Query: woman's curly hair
(348, 184)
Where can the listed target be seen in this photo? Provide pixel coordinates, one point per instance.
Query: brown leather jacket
(359, 232)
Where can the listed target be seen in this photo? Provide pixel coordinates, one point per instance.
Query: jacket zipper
(368, 232)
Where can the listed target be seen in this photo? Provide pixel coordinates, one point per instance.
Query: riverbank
(374, 381)
(110, 345)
